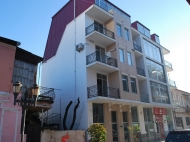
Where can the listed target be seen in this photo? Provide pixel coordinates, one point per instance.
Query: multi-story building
(119, 73)
(16, 65)
(181, 99)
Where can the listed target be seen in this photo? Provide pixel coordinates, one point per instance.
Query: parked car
(178, 136)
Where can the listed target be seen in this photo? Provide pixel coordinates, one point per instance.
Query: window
(129, 58)
(152, 51)
(121, 55)
(179, 122)
(125, 126)
(159, 92)
(98, 116)
(125, 83)
(147, 114)
(155, 71)
(119, 33)
(114, 126)
(143, 30)
(134, 115)
(133, 85)
(157, 39)
(126, 33)
(187, 120)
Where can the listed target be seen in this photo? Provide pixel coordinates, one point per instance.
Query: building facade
(182, 113)
(16, 65)
(119, 73)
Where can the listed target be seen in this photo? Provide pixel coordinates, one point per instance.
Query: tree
(135, 130)
(97, 133)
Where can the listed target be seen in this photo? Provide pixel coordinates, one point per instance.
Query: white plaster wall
(59, 73)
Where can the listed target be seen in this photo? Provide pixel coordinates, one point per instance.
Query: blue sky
(28, 21)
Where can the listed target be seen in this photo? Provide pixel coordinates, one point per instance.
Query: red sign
(160, 111)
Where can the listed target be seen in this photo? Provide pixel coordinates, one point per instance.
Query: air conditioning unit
(79, 47)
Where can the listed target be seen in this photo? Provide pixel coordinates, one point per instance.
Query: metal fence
(93, 27)
(96, 56)
(97, 90)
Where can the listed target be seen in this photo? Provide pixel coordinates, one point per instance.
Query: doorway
(100, 54)
(102, 85)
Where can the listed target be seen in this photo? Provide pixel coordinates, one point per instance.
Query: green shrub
(97, 133)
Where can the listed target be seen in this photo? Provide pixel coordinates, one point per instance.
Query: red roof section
(59, 21)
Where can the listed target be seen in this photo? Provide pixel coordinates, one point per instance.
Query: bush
(135, 130)
(97, 133)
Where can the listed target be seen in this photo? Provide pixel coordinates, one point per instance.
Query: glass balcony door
(102, 85)
(100, 54)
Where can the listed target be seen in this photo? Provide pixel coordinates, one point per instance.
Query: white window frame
(119, 25)
(126, 37)
(123, 55)
(129, 56)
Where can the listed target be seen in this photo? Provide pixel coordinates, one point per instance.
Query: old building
(16, 65)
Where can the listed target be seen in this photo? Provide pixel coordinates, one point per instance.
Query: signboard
(160, 111)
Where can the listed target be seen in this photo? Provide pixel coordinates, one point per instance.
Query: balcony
(168, 66)
(138, 50)
(100, 91)
(101, 62)
(145, 98)
(100, 35)
(172, 83)
(165, 51)
(141, 74)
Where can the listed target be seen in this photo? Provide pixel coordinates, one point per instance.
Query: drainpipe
(75, 44)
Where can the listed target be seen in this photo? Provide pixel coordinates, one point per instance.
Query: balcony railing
(168, 64)
(46, 94)
(141, 72)
(95, 91)
(175, 103)
(109, 8)
(93, 27)
(52, 120)
(145, 98)
(172, 83)
(137, 47)
(96, 56)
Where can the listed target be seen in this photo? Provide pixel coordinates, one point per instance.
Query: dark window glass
(125, 117)
(155, 71)
(187, 120)
(125, 83)
(179, 121)
(147, 114)
(119, 32)
(113, 116)
(133, 85)
(159, 92)
(134, 114)
(98, 116)
(114, 126)
(126, 32)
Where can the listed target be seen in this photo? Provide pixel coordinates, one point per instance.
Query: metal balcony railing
(46, 94)
(168, 64)
(141, 72)
(137, 47)
(97, 90)
(172, 83)
(96, 56)
(109, 8)
(53, 120)
(145, 98)
(93, 27)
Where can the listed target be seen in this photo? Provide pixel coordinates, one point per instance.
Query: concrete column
(141, 119)
(165, 124)
(107, 121)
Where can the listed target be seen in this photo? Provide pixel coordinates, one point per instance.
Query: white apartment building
(119, 73)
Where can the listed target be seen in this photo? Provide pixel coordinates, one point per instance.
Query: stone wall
(63, 136)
